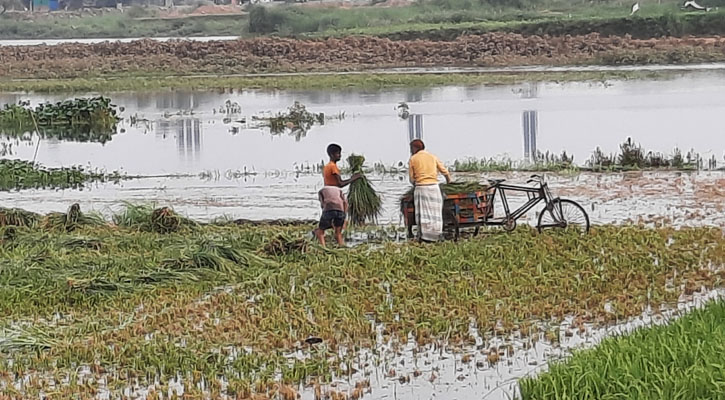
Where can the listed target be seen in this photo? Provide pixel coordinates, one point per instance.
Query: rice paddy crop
(682, 360)
(221, 301)
(20, 174)
(365, 204)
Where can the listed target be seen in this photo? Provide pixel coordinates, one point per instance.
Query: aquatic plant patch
(20, 174)
(295, 121)
(80, 119)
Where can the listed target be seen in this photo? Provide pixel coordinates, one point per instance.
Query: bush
(264, 20)
(136, 12)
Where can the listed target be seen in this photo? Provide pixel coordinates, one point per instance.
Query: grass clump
(682, 360)
(148, 219)
(364, 203)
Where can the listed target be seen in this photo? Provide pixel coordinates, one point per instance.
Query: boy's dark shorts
(332, 218)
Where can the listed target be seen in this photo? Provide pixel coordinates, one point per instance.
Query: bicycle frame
(535, 196)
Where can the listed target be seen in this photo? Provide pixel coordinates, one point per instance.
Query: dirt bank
(350, 53)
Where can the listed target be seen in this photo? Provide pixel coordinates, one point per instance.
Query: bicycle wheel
(563, 213)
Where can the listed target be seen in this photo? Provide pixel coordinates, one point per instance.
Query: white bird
(635, 8)
(693, 5)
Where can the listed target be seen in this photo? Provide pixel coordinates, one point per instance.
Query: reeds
(631, 155)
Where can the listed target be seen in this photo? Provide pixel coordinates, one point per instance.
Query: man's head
(335, 152)
(416, 146)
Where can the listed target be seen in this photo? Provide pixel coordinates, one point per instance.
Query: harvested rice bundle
(364, 204)
(450, 188)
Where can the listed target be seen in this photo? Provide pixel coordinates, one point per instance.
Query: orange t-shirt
(329, 172)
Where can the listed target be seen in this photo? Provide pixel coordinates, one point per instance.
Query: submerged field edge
(338, 80)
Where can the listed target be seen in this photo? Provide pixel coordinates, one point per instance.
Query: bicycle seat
(496, 181)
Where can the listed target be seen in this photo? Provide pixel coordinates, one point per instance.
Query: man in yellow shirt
(423, 169)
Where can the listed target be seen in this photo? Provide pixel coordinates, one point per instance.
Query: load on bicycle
(472, 205)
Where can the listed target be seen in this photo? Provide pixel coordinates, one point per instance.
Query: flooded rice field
(223, 163)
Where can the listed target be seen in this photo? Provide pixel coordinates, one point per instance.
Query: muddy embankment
(344, 54)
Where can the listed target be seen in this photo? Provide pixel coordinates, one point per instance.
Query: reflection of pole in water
(530, 121)
(163, 128)
(415, 127)
(188, 137)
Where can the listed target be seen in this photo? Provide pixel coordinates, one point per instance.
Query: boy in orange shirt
(332, 199)
(331, 173)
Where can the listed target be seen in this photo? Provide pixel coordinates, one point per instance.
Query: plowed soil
(350, 53)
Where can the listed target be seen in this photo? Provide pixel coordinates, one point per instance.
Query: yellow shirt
(424, 168)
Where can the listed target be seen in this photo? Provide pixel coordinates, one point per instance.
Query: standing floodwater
(213, 132)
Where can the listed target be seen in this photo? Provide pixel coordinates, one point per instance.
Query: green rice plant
(207, 254)
(681, 360)
(364, 203)
(147, 305)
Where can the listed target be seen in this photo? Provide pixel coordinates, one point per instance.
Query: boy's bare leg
(320, 235)
(338, 236)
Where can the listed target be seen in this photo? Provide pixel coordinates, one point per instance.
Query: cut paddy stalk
(142, 304)
(364, 202)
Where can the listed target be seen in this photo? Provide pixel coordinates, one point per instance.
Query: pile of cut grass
(144, 217)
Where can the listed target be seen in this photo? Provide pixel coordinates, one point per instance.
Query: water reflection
(530, 120)
(177, 101)
(188, 138)
(415, 127)
(460, 122)
(530, 123)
